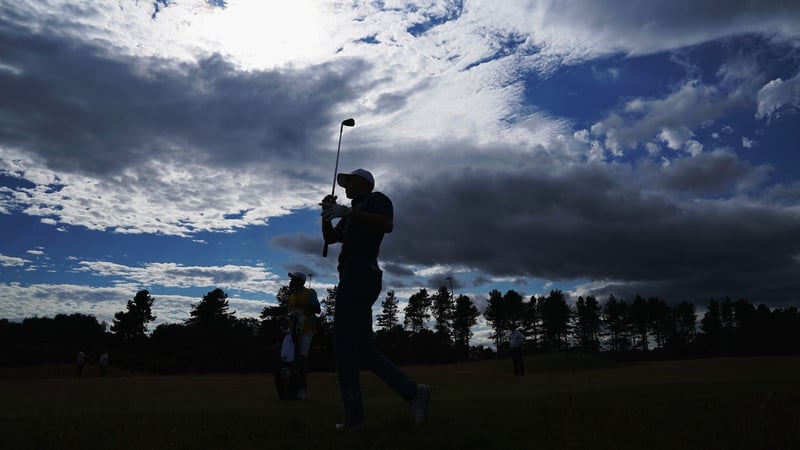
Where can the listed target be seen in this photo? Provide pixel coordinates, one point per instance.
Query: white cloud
(12, 261)
(675, 138)
(747, 143)
(582, 136)
(778, 95)
(693, 147)
(242, 278)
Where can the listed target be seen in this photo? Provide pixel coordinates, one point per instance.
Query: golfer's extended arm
(377, 222)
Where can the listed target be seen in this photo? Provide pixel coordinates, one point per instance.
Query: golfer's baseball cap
(363, 173)
(299, 275)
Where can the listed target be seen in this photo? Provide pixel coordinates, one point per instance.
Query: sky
(594, 146)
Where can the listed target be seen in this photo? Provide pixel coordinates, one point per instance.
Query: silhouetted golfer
(517, 341)
(361, 231)
(80, 362)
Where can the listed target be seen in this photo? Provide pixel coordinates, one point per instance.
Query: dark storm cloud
(596, 222)
(397, 270)
(719, 172)
(82, 110)
(301, 243)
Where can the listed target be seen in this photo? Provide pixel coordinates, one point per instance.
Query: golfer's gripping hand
(332, 211)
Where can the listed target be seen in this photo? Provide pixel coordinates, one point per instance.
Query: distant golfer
(103, 363)
(303, 309)
(80, 362)
(517, 341)
(361, 231)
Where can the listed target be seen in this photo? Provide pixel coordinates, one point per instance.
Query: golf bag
(284, 369)
(290, 368)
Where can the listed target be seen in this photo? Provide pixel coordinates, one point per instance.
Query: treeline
(644, 326)
(433, 328)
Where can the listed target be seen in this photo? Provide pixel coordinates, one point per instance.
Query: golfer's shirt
(360, 244)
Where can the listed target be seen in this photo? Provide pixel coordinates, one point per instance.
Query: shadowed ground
(565, 402)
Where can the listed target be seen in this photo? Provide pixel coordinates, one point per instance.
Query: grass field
(564, 402)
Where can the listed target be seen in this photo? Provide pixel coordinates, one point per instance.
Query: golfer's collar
(359, 199)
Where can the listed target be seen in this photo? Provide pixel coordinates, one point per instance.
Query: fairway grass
(564, 402)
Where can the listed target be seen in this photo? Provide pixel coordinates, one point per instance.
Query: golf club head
(349, 122)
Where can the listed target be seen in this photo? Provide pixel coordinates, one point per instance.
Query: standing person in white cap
(360, 230)
(303, 308)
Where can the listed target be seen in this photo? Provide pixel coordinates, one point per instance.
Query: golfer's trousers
(355, 295)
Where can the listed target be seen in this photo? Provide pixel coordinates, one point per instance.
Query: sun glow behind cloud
(262, 35)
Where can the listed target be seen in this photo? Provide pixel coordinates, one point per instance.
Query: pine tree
(417, 311)
(133, 322)
(388, 318)
(465, 316)
(443, 307)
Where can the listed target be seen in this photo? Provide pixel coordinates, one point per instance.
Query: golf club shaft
(336, 167)
(333, 188)
(350, 123)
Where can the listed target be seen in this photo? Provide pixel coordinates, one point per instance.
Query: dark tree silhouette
(531, 321)
(587, 315)
(417, 311)
(464, 318)
(497, 315)
(661, 322)
(685, 324)
(388, 317)
(711, 324)
(442, 309)
(555, 320)
(212, 309)
(133, 322)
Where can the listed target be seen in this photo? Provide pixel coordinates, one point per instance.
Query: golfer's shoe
(419, 404)
(348, 425)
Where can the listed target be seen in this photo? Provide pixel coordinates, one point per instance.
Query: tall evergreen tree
(686, 323)
(711, 324)
(531, 320)
(212, 310)
(133, 322)
(417, 311)
(587, 315)
(660, 320)
(614, 312)
(513, 304)
(497, 316)
(388, 317)
(464, 318)
(442, 309)
(555, 320)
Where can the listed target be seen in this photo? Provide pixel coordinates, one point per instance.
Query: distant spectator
(103, 362)
(517, 340)
(303, 309)
(80, 360)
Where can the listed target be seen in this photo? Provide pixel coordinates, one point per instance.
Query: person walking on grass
(80, 362)
(103, 363)
(517, 341)
(303, 310)
(360, 230)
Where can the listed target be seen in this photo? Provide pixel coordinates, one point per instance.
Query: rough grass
(564, 402)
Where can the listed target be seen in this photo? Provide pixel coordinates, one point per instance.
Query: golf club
(345, 123)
